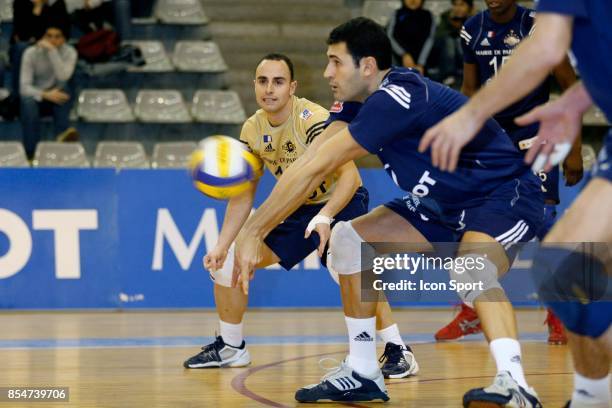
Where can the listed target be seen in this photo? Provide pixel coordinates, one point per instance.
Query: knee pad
(223, 275)
(473, 275)
(344, 250)
(576, 286)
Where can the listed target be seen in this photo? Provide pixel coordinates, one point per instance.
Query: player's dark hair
(363, 38)
(279, 57)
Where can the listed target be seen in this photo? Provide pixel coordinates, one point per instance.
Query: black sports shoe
(504, 392)
(219, 355)
(344, 384)
(398, 362)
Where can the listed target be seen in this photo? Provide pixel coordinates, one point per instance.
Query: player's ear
(292, 87)
(368, 66)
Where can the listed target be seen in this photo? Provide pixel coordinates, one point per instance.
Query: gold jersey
(280, 146)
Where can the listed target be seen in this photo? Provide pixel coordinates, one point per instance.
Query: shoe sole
(483, 404)
(237, 363)
(414, 371)
(354, 398)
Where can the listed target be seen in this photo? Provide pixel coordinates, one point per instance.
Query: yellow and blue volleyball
(222, 167)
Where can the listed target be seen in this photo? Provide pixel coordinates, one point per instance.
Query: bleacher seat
(56, 154)
(172, 155)
(198, 56)
(589, 156)
(104, 105)
(12, 154)
(217, 107)
(6, 10)
(380, 10)
(155, 56)
(121, 155)
(161, 106)
(180, 12)
(594, 117)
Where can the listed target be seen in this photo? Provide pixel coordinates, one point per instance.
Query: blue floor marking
(189, 341)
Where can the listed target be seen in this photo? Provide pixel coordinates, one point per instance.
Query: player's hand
(214, 259)
(249, 253)
(408, 61)
(44, 44)
(321, 224)
(572, 168)
(559, 127)
(448, 137)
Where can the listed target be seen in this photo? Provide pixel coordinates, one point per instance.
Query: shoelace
(331, 370)
(393, 354)
(212, 350)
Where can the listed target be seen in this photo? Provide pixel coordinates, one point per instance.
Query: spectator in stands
(447, 51)
(411, 30)
(30, 21)
(46, 70)
(93, 15)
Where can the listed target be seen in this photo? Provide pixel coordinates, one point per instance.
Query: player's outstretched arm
(572, 165)
(236, 213)
(347, 183)
(530, 64)
(560, 123)
(288, 194)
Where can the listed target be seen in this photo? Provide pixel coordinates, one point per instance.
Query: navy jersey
(488, 45)
(391, 123)
(591, 44)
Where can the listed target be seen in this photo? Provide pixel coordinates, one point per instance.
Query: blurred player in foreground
(582, 25)
(278, 134)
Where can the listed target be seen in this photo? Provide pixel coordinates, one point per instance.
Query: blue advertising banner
(97, 238)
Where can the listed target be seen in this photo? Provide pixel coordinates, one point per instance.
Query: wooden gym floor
(134, 359)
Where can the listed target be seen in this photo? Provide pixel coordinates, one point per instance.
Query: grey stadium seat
(12, 154)
(121, 155)
(6, 10)
(594, 117)
(380, 10)
(180, 12)
(217, 107)
(56, 154)
(589, 156)
(155, 56)
(172, 155)
(161, 106)
(198, 56)
(104, 105)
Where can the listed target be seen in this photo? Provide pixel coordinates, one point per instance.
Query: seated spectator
(447, 54)
(92, 15)
(30, 21)
(46, 70)
(411, 30)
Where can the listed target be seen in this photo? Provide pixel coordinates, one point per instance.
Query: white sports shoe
(504, 393)
(219, 355)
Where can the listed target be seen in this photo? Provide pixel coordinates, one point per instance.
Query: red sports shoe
(556, 331)
(466, 322)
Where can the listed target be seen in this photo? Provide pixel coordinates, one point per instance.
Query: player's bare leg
(588, 220)
(361, 365)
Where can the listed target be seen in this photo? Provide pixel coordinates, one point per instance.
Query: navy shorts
(550, 181)
(603, 168)
(287, 239)
(513, 213)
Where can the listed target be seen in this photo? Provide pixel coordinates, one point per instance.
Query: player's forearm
(291, 190)
(530, 64)
(347, 183)
(236, 214)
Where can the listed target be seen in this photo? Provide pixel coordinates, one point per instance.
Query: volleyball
(222, 167)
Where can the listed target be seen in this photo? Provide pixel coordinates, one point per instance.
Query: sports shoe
(68, 135)
(556, 331)
(398, 362)
(466, 322)
(504, 392)
(344, 384)
(219, 355)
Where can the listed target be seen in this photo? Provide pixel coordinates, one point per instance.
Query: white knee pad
(343, 257)
(473, 274)
(223, 276)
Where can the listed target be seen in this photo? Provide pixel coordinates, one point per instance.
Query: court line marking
(239, 381)
(196, 341)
